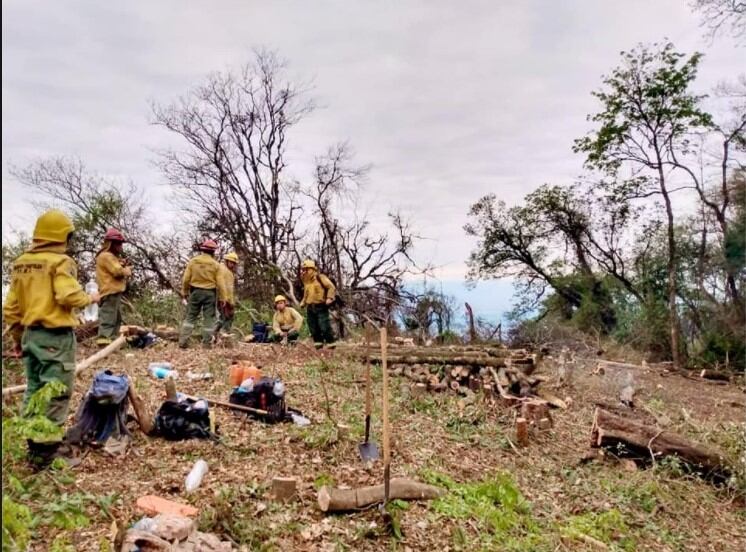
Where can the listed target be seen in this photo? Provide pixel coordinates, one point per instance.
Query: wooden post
(521, 431)
(386, 429)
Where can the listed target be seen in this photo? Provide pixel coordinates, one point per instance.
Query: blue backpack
(103, 412)
(260, 330)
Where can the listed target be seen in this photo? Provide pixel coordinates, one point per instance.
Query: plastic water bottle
(163, 370)
(195, 476)
(145, 525)
(278, 389)
(90, 313)
(247, 385)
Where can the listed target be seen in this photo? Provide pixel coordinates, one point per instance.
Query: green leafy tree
(648, 112)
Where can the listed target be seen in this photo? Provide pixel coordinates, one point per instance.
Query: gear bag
(260, 331)
(185, 419)
(267, 394)
(103, 412)
(338, 302)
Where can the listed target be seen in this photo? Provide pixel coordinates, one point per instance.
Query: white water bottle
(90, 313)
(195, 476)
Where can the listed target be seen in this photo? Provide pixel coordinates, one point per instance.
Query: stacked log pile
(495, 370)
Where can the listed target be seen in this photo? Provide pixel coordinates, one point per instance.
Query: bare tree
(719, 14)
(96, 204)
(231, 170)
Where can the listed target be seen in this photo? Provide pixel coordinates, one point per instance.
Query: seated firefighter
(111, 276)
(286, 322)
(42, 299)
(226, 293)
(200, 288)
(319, 293)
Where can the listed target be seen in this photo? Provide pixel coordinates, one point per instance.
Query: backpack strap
(321, 283)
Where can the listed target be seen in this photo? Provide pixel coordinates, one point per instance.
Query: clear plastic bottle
(278, 389)
(247, 385)
(90, 313)
(195, 476)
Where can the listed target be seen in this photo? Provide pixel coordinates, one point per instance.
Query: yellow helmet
(308, 263)
(53, 226)
(231, 257)
(279, 298)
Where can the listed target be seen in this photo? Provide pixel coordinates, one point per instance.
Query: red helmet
(112, 234)
(208, 245)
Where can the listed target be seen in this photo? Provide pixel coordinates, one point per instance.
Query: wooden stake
(386, 428)
(521, 431)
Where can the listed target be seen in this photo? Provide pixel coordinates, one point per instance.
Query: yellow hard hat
(308, 263)
(231, 257)
(279, 298)
(53, 226)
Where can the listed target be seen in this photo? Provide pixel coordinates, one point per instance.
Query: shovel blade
(368, 451)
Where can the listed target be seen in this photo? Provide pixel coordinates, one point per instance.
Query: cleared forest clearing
(500, 496)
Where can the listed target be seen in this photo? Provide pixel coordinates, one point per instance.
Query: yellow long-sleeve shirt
(227, 279)
(111, 275)
(44, 289)
(288, 319)
(317, 288)
(201, 272)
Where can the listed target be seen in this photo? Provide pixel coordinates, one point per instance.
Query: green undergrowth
(608, 527)
(502, 516)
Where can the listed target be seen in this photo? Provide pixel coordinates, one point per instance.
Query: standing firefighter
(111, 276)
(227, 299)
(318, 294)
(43, 295)
(199, 290)
(286, 322)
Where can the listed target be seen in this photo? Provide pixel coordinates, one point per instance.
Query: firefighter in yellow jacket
(200, 289)
(111, 275)
(286, 322)
(43, 296)
(227, 300)
(318, 294)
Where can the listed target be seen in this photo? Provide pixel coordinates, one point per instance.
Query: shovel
(368, 449)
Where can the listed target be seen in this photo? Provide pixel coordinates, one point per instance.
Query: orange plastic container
(235, 375)
(251, 371)
(239, 372)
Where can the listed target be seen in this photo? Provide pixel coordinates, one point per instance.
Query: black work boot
(41, 455)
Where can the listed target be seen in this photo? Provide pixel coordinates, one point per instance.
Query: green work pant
(49, 355)
(109, 316)
(293, 335)
(319, 323)
(225, 323)
(201, 301)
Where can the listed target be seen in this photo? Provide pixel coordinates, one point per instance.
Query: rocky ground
(500, 496)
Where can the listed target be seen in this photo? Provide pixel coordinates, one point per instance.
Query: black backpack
(262, 397)
(176, 421)
(338, 302)
(260, 330)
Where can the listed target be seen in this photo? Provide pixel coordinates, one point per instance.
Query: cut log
(342, 500)
(552, 399)
(284, 488)
(521, 431)
(714, 375)
(83, 365)
(610, 431)
(443, 360)
(144, 419)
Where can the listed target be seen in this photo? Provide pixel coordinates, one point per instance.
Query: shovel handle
(385, 370)
(368, 398)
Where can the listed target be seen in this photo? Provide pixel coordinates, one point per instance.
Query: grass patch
(501, 515)
(608, 527)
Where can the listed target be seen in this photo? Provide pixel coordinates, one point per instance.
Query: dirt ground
(569, 505)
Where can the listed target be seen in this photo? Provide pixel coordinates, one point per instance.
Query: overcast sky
(447, 100)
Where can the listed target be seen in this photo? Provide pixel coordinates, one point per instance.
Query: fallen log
(82, 365)
(341, 500)
(610, 431)
(446, 360)
(714, 375)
